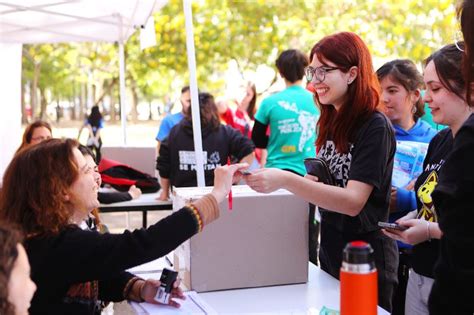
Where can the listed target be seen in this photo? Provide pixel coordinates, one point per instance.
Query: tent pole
(188, 15)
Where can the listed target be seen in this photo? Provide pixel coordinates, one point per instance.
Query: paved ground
(142, 133)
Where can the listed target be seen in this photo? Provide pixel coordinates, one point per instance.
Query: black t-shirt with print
(452, 291)
(369, 160)
(425, 254)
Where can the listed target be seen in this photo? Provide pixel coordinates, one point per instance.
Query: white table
(144, 203)
(320, 290)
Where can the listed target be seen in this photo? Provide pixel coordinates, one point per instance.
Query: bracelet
(128, 290)
(428, 231)
(140, 289)
(197, 216)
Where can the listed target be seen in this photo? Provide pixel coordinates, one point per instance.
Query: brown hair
(291, 64)
(9, 240)
(29, 132)
(207, 111)
(407, 75)
(251, 109)
(346, 50)
(448, 64)
(34, 187)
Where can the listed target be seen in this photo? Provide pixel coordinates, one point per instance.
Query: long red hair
(346, 50)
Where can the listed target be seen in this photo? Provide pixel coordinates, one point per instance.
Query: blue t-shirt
(168, 122)
(292, 116)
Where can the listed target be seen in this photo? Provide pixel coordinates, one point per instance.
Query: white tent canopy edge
(49, 21)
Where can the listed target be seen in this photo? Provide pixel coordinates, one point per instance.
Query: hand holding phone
(392, 226)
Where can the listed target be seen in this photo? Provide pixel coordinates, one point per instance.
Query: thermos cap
(358, 253)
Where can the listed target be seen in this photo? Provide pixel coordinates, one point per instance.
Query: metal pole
(188, 14)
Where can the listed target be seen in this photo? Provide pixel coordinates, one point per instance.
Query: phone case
(318, 167)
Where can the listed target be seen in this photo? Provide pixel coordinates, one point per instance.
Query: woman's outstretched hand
(266, 180)
(224, 176)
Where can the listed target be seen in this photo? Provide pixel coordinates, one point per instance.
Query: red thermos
(358, 280)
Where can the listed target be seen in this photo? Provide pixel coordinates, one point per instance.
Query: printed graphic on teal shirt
(292, 116)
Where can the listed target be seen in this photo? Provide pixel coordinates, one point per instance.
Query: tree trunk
(72, 101)
(24, 116)
(58, 111)
(34, 89)
(43, 103)
(82, 100)
(134, 113)
(150, 116)
(113, 112)
(106, 90)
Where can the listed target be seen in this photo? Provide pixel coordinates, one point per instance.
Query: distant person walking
(94, 123)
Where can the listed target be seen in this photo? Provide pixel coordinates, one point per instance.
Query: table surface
(320, 290)
(143, 200)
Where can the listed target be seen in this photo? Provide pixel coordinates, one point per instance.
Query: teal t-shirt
(292, 116)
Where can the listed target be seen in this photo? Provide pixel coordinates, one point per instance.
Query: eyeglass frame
(310, 72)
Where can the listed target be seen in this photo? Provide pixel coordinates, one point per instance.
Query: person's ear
(415, 96)
(353, 73)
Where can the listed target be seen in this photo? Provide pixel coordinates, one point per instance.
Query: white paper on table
(193, 305)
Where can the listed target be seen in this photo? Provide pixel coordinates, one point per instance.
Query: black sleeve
(163, 163)
(240, 145)
(259, 135)
(454, 271)
(111, 290)
(374, 148)
(80, 256)
(111, 197)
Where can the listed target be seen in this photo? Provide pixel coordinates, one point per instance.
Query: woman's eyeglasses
(319, 73)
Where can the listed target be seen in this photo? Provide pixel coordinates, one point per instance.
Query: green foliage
(250, 32)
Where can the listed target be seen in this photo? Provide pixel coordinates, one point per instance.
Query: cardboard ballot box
(262, 241)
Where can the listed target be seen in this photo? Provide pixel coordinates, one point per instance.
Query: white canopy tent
(54, 21)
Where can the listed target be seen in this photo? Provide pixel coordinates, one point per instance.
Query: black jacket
(76, 267)
(177, 160)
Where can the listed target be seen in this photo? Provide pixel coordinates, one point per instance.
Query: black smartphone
(392, 226)
(246, 172)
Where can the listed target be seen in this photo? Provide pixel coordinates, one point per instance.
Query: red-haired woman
(358, 143)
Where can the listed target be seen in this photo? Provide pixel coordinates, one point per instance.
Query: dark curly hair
(9, 239)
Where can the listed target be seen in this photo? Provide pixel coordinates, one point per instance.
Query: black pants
(385, 255)
(399, 296)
